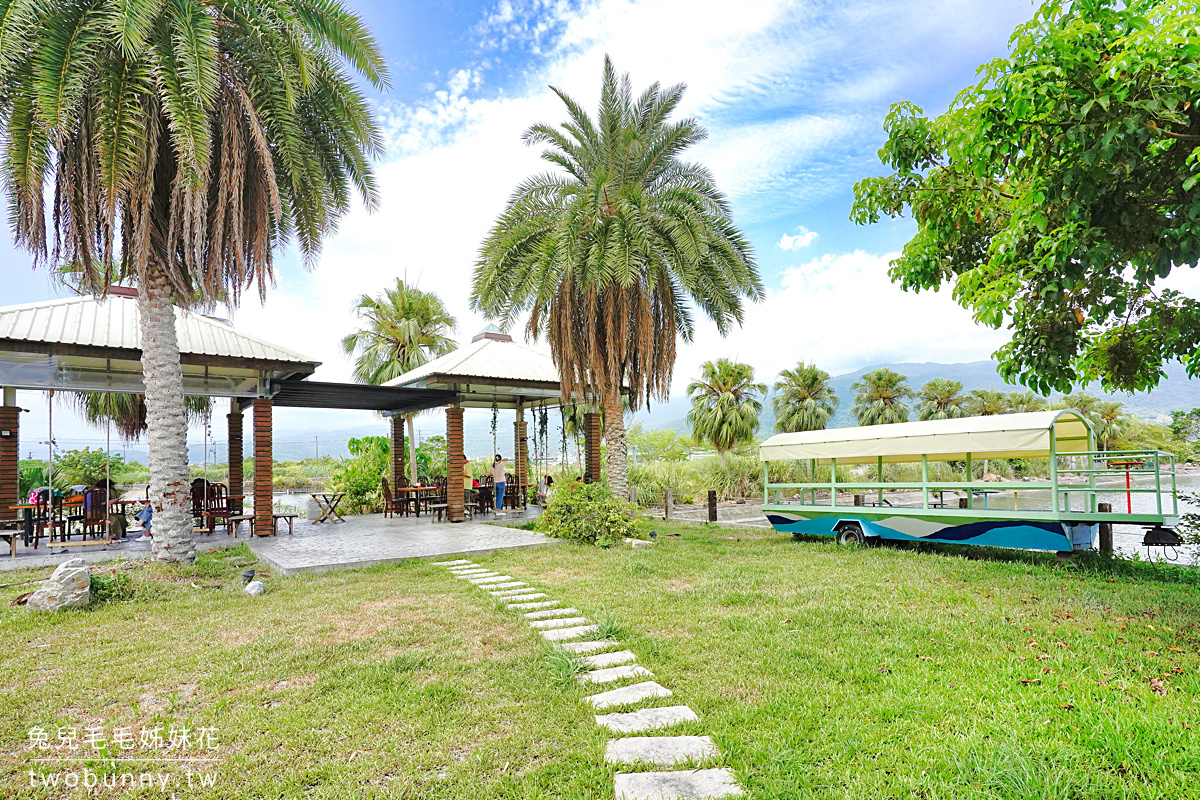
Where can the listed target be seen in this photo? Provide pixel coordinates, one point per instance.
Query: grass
(821, 672)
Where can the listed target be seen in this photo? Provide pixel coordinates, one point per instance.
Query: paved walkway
(370, 540)
(637, 705)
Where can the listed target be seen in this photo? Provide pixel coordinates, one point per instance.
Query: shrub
(360, 475)
(111, 585)
(587, 512)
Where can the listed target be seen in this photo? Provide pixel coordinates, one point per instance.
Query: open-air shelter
(93, 344)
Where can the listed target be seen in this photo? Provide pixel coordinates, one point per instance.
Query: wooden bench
(232, 524)
(10, 532)
(437, 509)
(236, 520)
(289, 517)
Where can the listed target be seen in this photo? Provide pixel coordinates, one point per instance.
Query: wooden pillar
(521, 445)
(10, 445)
(236, 473)
(398, 478)
(591, 442)
(264, 502)
(455, 462)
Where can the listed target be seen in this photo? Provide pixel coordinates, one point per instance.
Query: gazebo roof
(95, 343)
(491, 370)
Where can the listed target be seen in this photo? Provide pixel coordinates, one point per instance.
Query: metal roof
(112, 323)
(391, 399)
(491, 369)
(997, 436)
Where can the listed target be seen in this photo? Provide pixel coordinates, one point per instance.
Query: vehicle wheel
(850, 534)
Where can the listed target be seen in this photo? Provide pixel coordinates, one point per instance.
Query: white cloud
(843, 313)
(804, 238)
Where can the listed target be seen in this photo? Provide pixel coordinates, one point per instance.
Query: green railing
(1123, 465)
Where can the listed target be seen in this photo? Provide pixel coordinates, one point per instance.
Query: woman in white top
(498, 479)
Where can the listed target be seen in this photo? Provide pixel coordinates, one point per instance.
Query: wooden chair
(94, 519)
(199, 493)
(436, 504)
(390, 504)
(216, 506)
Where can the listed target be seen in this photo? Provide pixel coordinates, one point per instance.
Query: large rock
(255, 588)
(69, 587)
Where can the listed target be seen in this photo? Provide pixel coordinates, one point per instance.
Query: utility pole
(317, 445)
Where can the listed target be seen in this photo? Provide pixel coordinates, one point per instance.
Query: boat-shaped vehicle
(855, 503)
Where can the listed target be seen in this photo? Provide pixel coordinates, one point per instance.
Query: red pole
(1128, 494)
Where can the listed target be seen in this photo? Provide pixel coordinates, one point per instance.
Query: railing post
(970, 483)
(879, 478)
(1054, 498)
(668, 501)
(833, 481)
(712, 505)
(1106, 532)
(812, 479)
(1157, 483)
(924, 481)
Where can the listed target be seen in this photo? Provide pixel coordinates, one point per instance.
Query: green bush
(587, 512)
(360, 475)
(111, 585)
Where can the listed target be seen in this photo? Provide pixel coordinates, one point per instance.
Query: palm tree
(1111, 423)
(405, 328)
(185, 143)
(127, 412)
(1019, 402)
(725, 405)
(879, 397)
(609, 254)
(987, 403)
(804, 400)
(940, 399)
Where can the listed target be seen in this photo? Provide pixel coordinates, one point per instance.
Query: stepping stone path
(568, 630)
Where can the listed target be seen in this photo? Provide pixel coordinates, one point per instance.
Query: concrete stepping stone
(583, 648)
(538, 604)
(608, 659)
(626, 695)
(484, 580)
(455, 562)
(558, 634)
(565, 622)
(522, 589)
(665, 751)
(466, 567)
(615, 674)
(483, 573)
(551, 612)
(646, 719)
(510, 585)
(698, 784)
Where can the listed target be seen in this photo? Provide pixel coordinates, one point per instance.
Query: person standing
(498, 479)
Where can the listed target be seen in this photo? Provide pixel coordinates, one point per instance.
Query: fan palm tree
(940, 398)
(609, 254)
(987, 403)
(804, 400)
(186, 142)
(1111, 423)
(879, 397)
(725, 405)
(405, 328)
(127, 412)
(1019, 402)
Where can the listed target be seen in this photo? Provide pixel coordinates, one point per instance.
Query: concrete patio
(371, 540)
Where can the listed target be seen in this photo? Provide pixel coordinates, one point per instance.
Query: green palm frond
(804, 400)
(726, 403)
(941, 398)
(880, 397)
(404, 328)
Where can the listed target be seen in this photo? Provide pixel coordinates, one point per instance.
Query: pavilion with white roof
(93, 344)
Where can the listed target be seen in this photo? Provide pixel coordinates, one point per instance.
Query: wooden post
(264, 501)
(963, 502)
(521, 454)
(712, 505)
(455, 461)
(1106, 532)
(668, 503)
(591, 443)
(398, 477)
(10, 446)
(858, 499)
(235, 453)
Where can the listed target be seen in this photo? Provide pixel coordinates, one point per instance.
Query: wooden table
(328, 503)
(412, 497)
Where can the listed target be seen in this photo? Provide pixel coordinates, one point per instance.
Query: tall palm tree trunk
(614, 437)
(166, 422)
(412, 452)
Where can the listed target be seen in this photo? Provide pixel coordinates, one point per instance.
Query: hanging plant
(495, 416)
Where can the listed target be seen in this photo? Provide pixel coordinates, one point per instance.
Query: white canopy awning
(997, 436)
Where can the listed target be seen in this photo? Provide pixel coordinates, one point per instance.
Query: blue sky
(792, 93)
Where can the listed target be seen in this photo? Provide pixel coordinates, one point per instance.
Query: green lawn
(821, 672)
